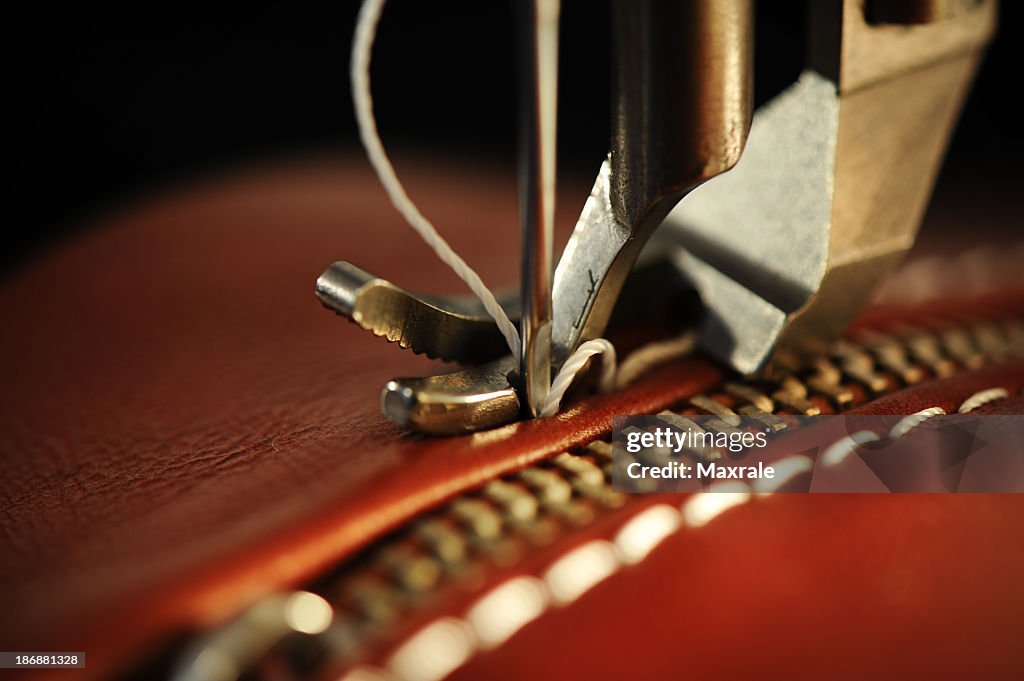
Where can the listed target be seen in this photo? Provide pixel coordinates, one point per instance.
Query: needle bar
(538, 103)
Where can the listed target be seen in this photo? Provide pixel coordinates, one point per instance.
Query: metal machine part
(483, 396)
(453, 328)
(682, 98)
(458, 329)
(223, 655)
(681, 114)
(477, 398)
(539, 103)
(787, 247)
(829, 194)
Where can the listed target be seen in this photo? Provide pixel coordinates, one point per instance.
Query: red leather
(185, 429)
(798, 587)
(949, 393)
(790, 586)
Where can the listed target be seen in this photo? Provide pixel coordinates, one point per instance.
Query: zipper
(401, 575)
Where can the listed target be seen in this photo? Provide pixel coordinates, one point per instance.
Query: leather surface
(184, 428)
(843, 586)
(797, 587)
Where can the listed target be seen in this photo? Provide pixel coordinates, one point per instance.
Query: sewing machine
(785, 221)
(200, 485)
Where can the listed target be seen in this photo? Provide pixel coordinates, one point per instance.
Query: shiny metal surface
(538, 108)
(455, 328)
(682, 87)
(682, 90)
(790, 245)
(483, 397)
(787, 247)
(779, 197)
(473, 399)
(226, 653)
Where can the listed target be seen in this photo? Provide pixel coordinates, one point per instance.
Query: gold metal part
(600, 449)
(374, 599)
(774, 423)
(480, 517)
(518, 503)
(715, 408)
(751, 395)
(891, 354)
(990, 341)
(412, 569)
(444, 541)
(900, 92)
(960, 345)
(827, 380)
(224, 653)
(927, 349)
(832, 184)
(583, 469)
(858, 364)
(793, 394)
(551, 488)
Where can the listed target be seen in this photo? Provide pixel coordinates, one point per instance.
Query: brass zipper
(496, 526)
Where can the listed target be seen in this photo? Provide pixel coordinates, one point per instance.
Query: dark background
(110, 104)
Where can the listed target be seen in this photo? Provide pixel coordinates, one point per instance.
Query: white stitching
(653, 354)
(908, 423)
(982, 397)
(837, 453)
(362, 46)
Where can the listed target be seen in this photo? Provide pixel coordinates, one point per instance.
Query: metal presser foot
(784, 249)
(457, 329)
(452, 329)
(696, 104)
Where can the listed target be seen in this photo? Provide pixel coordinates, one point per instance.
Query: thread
(982, 398)
(908, 423)
(362, 47)
(577, 360)
(646, 357)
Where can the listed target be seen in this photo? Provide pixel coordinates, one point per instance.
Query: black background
(112, 103)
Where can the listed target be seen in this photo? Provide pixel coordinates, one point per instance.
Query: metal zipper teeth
(401, 574)
(494, 525)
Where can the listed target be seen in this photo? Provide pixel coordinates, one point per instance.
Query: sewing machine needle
(538, 113)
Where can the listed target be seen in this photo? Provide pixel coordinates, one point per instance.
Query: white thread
(648, 356)
(572, 366)
(366, 28)
(362, 46)
(785, 470)
(908, 423)
(702, 508)
(838, 451)
(981, 398)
